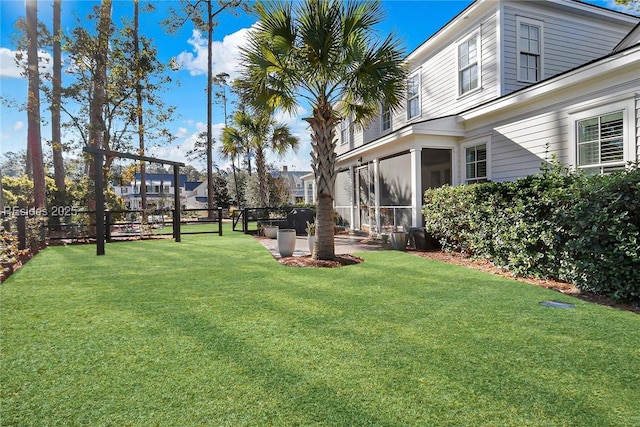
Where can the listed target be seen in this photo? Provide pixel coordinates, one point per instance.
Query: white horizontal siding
(439, 80)
(569, 40)
(520, 147)
(638, 127)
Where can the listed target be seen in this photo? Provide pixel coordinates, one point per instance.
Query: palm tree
(259, 132)
(233, 143)
(324, 52)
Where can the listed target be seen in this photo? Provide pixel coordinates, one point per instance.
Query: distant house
(295, 183)
(160, 191)
(502, 88)
(309, 185)
(196, 195)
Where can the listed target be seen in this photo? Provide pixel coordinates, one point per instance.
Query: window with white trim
(385, 117)
(529, 50)
(344, 131)
(476, 164)
(601, 143)
(413, 96)
(469, 65)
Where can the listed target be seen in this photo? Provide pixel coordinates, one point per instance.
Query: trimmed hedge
(572, 227)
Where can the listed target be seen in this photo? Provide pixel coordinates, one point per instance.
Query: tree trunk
(323, 158)
(98, 99)
(56, 138)
(210, 204)
(34, 140)
(143, 169)
(261, 170)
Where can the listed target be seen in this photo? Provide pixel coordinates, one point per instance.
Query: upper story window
(468, 65)
(344, 131)
(386, 117)
(347, 131)
(125, 190)
(413, 96)
(601, 143)
(476, 164)
(529, 50)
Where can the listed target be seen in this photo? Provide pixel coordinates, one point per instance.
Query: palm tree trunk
(323, 158)
(261, 169)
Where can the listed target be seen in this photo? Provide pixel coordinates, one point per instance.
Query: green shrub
(602, 226)
(582, 229)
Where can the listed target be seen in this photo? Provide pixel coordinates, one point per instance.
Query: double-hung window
(476, 164)
(468, 64)
(413, 96)
(529, 50)
(344, 131)
(601, 143)
(386, 117)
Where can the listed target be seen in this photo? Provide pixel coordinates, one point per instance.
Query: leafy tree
(14, 163)
(202, 14)
(325, 52)
(631, 4)
(193, 174)
(263, 134)
(114, 84)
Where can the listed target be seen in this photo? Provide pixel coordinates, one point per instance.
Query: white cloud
(177, 152)
(9, 68)
(202, 127)
(17, 126)
(181, 132)
(225, 53)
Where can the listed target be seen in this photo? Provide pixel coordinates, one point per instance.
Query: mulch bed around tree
(307, 261)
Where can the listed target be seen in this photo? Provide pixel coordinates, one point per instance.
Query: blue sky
(413, 21)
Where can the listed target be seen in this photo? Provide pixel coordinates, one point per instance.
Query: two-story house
(160, 191)
(294, 180)
(503, 87)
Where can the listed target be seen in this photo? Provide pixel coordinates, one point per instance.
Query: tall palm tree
(261, 133)
(233, 143)
(324, 52)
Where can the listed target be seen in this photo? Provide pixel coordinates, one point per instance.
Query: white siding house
(502, 88)
(160, 191)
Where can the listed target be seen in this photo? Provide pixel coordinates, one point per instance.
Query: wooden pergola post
(98, 157)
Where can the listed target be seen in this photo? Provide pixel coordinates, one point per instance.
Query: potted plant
(311, 235)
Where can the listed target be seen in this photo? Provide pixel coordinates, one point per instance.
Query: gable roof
(630, 39)
(475, 10)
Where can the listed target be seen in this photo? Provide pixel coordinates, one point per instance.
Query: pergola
(98, 158)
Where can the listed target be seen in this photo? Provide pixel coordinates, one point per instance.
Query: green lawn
(213, 331)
